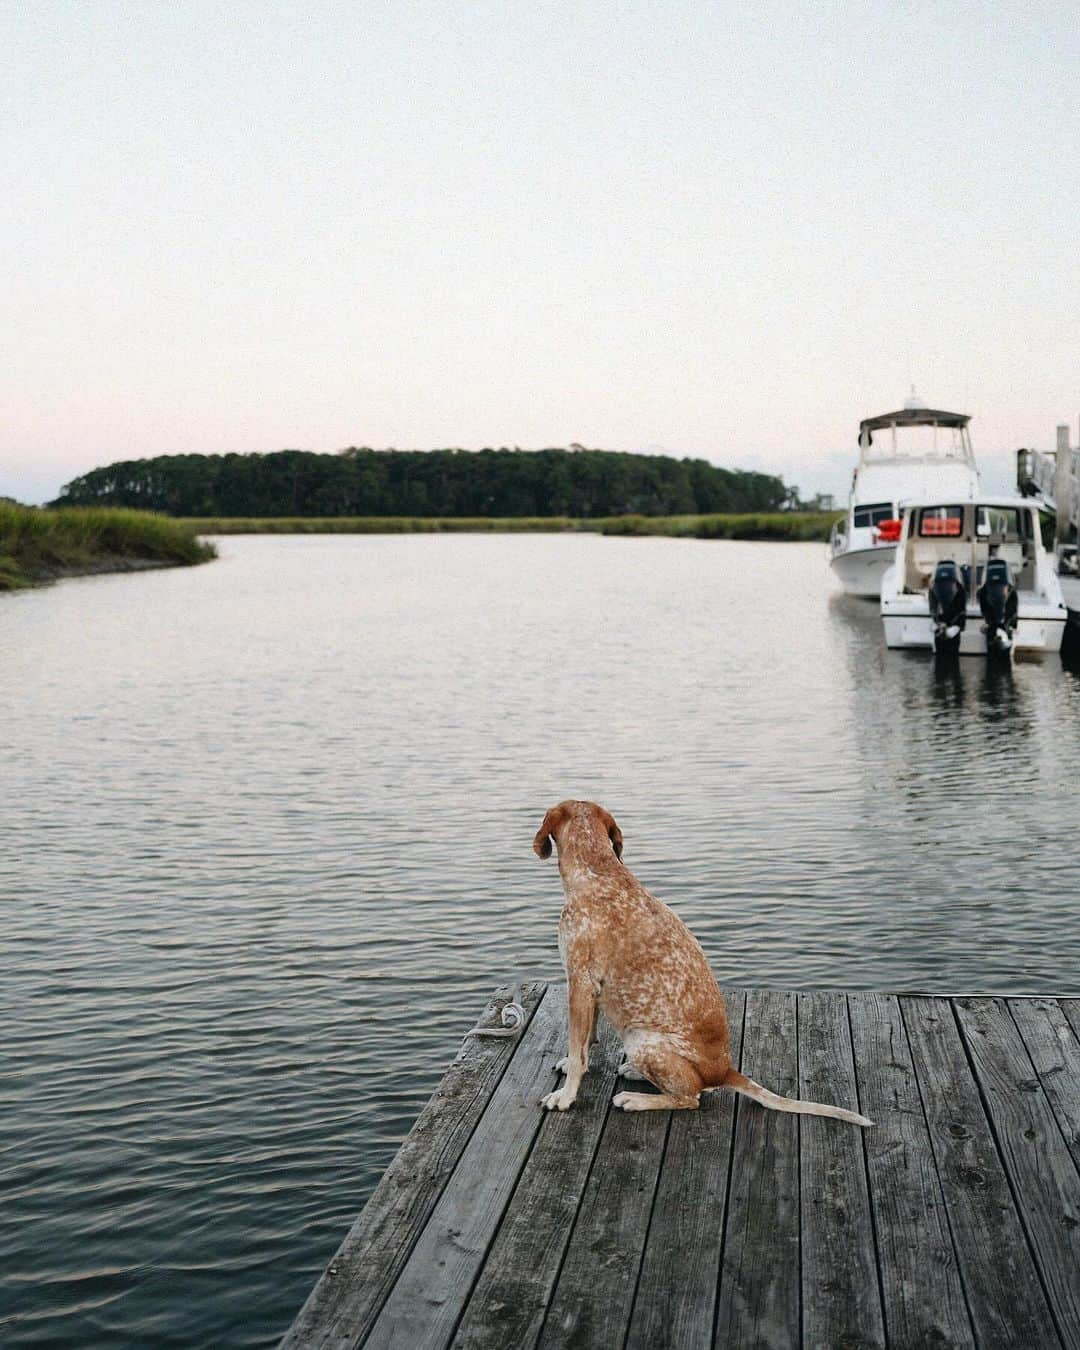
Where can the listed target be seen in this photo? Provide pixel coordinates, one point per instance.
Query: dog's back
(653, 975)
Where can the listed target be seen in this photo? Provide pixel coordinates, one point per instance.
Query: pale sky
(727, 230)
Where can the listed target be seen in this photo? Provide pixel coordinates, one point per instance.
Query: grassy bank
(40, 544)
(781, 525)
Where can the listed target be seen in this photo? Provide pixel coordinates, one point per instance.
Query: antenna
(913, 401)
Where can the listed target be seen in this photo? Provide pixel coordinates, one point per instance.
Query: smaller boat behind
(902, 455)
(973, 577)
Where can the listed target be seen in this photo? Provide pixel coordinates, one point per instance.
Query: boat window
(999, 520)
(873, 515)
(937, 522)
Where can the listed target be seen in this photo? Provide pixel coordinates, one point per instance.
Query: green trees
(364, 482)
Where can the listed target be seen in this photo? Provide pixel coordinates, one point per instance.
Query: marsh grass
(382, 524)
(795, 526)
(780, 525)
(40, 543)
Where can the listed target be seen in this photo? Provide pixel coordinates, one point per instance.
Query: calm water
(265, 835)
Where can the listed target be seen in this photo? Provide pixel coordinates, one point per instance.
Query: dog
(630, 957)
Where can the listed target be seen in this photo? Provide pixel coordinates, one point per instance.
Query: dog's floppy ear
(614, 834)
(546, 833)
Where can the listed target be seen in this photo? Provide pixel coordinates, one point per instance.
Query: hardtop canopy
(913, 417)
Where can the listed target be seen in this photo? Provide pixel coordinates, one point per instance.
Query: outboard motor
(948, 606)
(998, 602)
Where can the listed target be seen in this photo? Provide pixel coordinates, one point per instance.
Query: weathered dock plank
(999, 1274)
(1043, 1175)
(1071, 1008)
(508, 1302)
(676, 1289)
(1053, 1047)
(953, 1221)
(922, 1294)
(594, 1293)
(841, 1298)
(430, 1291)
(760, 1296)
(342, 1306)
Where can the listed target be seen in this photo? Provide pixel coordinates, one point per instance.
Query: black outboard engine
(948, 606)
(998, 602)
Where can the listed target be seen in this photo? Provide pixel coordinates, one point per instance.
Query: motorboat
(912, 453)
(972, 577)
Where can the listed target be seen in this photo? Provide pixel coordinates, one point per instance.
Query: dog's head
(588, 815)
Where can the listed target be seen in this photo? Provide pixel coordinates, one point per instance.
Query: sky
(721, 230)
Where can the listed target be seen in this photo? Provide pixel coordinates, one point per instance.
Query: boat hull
(912, 627)
(860, 570)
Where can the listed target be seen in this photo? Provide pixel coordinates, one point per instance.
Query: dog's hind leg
(653, 1101)
(679, 1083)
(631, 1073)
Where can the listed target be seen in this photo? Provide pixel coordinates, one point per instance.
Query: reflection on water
(266, 849)
(949, 681)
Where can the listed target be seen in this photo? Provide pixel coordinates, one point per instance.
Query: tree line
(364, 482)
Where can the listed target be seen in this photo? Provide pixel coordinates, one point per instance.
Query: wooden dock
(954, 1221)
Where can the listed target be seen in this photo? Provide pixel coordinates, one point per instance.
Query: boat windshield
(996, 523)
(950, 444)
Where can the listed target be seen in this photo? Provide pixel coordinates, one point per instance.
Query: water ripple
(265, 850)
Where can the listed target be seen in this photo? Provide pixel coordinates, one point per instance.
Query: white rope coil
(512, 1017)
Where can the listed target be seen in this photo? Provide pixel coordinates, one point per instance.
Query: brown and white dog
(629, 957)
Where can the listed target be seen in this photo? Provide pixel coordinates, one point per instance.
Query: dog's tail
(740, 1083)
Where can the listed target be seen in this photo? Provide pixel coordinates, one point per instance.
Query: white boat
(913, 452)
(972, 577)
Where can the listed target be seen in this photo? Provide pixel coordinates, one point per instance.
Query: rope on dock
(512, 1017)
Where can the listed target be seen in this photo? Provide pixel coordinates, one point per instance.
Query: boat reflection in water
(948, 682)
(929, 707)
(993, 690)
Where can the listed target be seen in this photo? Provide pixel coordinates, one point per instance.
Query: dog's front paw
(561, 1100)
(563, 1064)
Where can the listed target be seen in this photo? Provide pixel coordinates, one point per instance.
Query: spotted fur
(629, 956)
